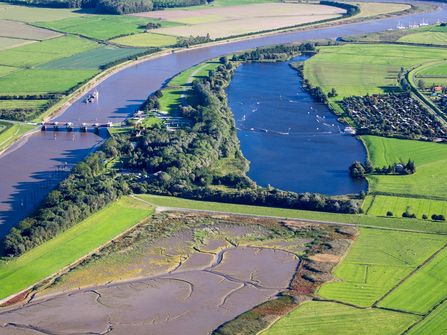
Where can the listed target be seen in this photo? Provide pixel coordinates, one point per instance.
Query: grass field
(46, 51)
(8, 43)
(66, 248)
(379, 205)
(372, 68)
(434, 324)
(146, 40)
(436, 38)
(423, 290)
(430, 159)
(435, 74)
(9, 133)
(38, 81)
(377, 261)
(15, 29)
(90, 59)
(33, 14)
(396, 223)
(321, 318)
(102, 27)
(178, 86)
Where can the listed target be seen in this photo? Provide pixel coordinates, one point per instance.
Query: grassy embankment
(10, 132)
(20, 273)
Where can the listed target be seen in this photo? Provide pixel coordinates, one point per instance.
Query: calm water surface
(292, 142)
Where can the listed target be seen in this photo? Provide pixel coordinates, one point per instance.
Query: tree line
(359, 170)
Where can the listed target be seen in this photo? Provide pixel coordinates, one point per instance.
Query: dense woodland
(180, 163)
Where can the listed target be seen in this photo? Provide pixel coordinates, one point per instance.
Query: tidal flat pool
(192, 300)
(293, 142)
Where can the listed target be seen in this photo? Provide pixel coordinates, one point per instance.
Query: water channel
(26, 166)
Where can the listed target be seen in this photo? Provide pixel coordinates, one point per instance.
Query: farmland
(331, 318)
(430, 161)
(434, 324)
(376, 263)
(372, 68)
(146, 40)
(9, 133)
(48, 258)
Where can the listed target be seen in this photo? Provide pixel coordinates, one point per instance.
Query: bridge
(71, 126)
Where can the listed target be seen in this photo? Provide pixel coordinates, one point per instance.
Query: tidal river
(292, 142)
(30, 168)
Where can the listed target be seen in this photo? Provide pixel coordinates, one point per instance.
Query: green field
(433, 324)
(178, 86)
(33, 14)
(365, 220)
(6, 43)
(432, 74)
(430, 158)
(377, 261)
(9, 133)
(423, 290)
(46, 51)
(91, 59)
(322, 318)
(436, 38)
(31, 104)
(66, 248)
(355, 69)
(379, 205)
(146, 40)
(102, 27)
(37, 81)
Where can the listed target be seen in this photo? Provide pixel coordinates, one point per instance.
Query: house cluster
(393, 115)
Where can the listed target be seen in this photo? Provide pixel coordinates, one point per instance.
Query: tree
(369, 168)
(421, 84)
(389, 213)
(424, 217)
(357, 171)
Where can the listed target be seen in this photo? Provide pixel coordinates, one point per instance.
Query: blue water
(292, 142)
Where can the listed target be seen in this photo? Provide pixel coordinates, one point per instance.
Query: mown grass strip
(19, 273)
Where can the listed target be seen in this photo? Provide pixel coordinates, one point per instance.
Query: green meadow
(433, 324)
(11, 132)
(431, 166)
(48, 258)
(423, 290)
(360, 69)
(321, 318)
(377, 261)
(146, 40)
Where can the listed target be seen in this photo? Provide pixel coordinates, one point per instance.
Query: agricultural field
(35, 14)
(220, 22)
(102, 27)
(433, 324)
(377, 261)
(20, 30)
(146, 40)
(69, 246)
(373, 69)
(321, 318)
(379, 205)
(7, 43)
(423, 290)
(431, 74)
(430, 160)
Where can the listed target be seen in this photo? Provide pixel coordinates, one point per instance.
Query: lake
(292, 141)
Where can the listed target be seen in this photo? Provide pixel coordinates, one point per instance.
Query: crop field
(34, 14)
(43, 52)
(222, 22)
(435, 74)
(44, 260)
(12, 104)
(433, 324)
(377, 261)
(365, 220)
(372, 68)
(430, 159)
(320, 318)
(38, 81)
(379, 205)
(7, 43)
(102, 27)
(423, 290)
(90, 59)
(146, 40)
(16, 29)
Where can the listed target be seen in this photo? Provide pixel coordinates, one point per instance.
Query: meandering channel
(33, 166)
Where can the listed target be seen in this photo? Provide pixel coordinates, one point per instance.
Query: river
(292, 141)
(28, 163)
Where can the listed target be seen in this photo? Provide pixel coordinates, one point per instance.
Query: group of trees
(275, 53)
(358, 170)
(409, 214)
(186, 42)
(24, 114)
